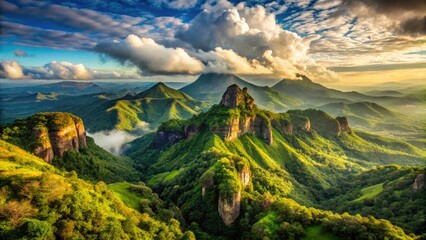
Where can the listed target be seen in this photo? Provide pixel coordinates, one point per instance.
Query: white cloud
(57, 70)
(11, 69)
(176, 4)
(151, 57)
(227, 61)
(253, 34)
(112, 141)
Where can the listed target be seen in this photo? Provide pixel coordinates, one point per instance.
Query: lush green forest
(238, 172)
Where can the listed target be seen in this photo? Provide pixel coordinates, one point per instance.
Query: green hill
(383, 192)
(38, 201)
(315, 94)
(211, 86)
(144, 111)
(232, 170)
(374, 117)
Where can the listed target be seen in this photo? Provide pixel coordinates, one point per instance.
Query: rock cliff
(47, 135)
(343, 123)
(229, 207)
(251, 122)
(419, 182)
(62, 132)
(237, 114)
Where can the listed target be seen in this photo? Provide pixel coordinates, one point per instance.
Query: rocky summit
(47, 135)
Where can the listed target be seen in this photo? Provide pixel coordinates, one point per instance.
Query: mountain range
(233, 171)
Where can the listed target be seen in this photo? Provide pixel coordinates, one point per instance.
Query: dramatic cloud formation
(151, 57)
(11, 69)
(239, 39)
(405, 16)
(274, 38)
(20, 53)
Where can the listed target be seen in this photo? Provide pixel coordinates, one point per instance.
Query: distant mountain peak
(161, 90)
(234, 96)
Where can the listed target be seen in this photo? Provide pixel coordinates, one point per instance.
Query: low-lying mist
(112, 141)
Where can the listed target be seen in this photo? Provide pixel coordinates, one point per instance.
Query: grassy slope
(121, 189)
(38, 200)
(145, 111)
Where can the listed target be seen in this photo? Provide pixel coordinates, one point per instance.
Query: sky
(336, 42)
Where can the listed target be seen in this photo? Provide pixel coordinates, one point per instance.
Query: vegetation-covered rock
(47, 134)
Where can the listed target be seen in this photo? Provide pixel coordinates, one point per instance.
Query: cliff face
(229, 207)
(419, 182)
(56, 133)
(234, 97)
(343, 123)
(164, 138)
(260, 126)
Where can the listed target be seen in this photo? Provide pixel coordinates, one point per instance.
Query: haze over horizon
(339, 43)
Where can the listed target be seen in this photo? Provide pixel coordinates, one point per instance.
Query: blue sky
(264, 39)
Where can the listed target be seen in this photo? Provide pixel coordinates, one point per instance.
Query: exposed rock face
(283, 126)
(190, 130)
(419, 182)
(55, 140)
(229, 207)
(234, 97)
(244, 176)
(206, 184)
(300, 124)
(43, 151)
(164, 138)
(344, 124)
(260, 126)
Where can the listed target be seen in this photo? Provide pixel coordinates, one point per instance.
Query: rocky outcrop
(164, 138)
(419, 182)
(234, 97)
(229, 207)
(44, 149)
(343, 123)
(259, 125)
(244, 175)
(59, 133)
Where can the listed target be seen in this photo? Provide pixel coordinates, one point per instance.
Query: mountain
(60, 139)
(39, 201)
(373, 117)
(314, 95)
(64, 87)
(210, 86)
(144, 111)
(23, 105)
(237, 171)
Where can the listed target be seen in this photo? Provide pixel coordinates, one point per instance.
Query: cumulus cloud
(11, 69)
(252, 33)
(227, 39)
(56, 70)
(20, 53)
(151, 57)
